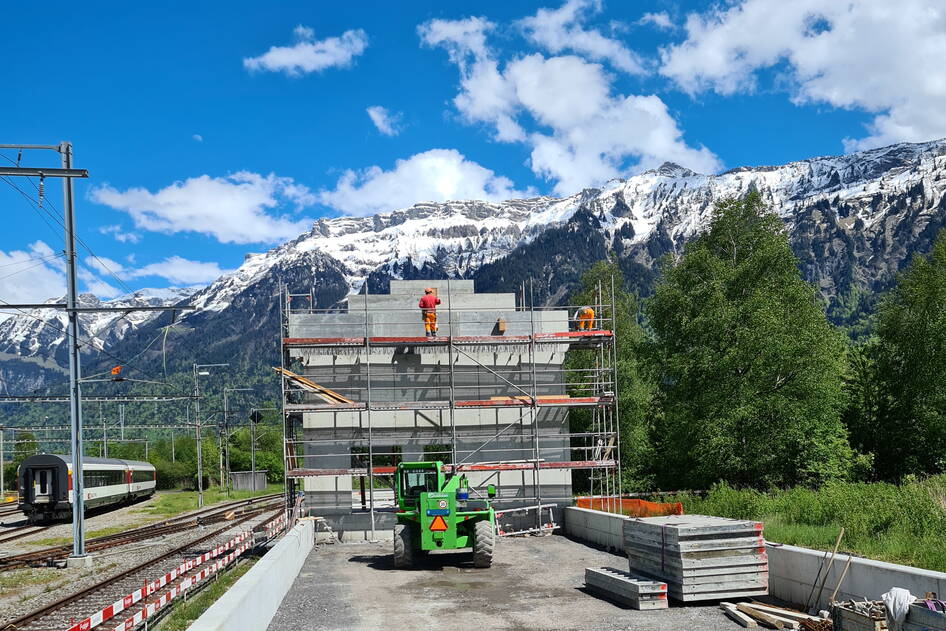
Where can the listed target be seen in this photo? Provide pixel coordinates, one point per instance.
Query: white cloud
(95, 285)
(176, 269)
(309, 54)
(104, 265)
(484, 95)
(232, 209)
(584, 133)
(387, 123)
(31, 275)
(558, 30)
(435, 175)
(659, 19)
(120, 234)
(875, 55)
(198, 137)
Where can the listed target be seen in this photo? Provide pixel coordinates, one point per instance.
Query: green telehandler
(434, 512)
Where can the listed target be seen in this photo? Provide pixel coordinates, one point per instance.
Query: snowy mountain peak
(854, 220)
(41, 332)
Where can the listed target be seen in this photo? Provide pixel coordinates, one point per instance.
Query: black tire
(484, 540)
(403, 546)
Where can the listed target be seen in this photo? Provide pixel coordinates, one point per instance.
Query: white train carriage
(46, 484)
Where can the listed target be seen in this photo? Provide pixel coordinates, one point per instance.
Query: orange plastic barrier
(630, 507)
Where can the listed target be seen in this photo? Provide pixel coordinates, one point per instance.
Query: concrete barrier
(253, 600)
(792, 569)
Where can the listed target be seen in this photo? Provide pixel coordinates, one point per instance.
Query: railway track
(19, 532)
(74, 608)
(209, 516)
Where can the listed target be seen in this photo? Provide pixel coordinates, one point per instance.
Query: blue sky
(204, 142)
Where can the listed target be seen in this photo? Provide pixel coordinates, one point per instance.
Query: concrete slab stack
(627, 589)
(698, 556)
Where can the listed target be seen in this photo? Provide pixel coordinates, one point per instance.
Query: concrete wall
(792, 569)
(253, 600)
(243, 480)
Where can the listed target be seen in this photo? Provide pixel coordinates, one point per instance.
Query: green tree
(25, 446)
(910, 433)
(635, 389)
(750, 370)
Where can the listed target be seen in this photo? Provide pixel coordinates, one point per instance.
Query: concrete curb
(792, 569)
(253, 600)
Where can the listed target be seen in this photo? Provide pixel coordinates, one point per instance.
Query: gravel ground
(535, 583)
(126, 517)
(26, 589)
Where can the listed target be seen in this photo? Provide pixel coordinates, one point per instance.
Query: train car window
(141, 476)
(92, 479)
(43, 482)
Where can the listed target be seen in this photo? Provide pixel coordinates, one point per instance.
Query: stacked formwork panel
(488, 395)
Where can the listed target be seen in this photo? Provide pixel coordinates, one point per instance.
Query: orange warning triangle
(438, 524)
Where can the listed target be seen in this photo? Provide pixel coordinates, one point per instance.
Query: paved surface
(535, 583)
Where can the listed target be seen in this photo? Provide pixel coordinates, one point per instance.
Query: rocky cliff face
(853, 221)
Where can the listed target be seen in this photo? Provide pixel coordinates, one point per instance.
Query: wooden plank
(737, 616)
(763, 618)
(786, 622)
(784, 613)
(311, 386)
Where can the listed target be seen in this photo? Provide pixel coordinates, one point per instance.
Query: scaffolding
(488, 395)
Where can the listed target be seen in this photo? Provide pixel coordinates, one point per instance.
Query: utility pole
(3, 466)
(226, 428)
(200, 450)
(75, 392)
(72, 310)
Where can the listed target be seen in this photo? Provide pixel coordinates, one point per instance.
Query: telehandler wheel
(484, 539)
(403, 546)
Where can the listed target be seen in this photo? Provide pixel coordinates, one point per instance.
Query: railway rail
(209, 516)
(100, 599)
(18, 532)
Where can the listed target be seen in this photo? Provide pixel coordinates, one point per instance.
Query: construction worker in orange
(428, 311)
(585, 318)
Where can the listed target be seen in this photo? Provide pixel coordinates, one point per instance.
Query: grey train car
(46, 491)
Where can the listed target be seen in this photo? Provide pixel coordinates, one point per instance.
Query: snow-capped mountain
(40, 333)
(853, 220)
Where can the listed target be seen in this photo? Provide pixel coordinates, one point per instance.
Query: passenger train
(45, 482)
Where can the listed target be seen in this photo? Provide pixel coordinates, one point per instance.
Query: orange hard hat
(428, 290)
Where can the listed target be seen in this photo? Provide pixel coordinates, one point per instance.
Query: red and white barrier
(151, 608)
(275, 526)
(151, 587)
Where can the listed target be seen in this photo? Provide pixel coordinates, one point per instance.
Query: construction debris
(627, 589)
(859, 615)
(753, 615)
(698, 556)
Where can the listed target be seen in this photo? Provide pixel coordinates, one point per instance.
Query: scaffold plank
(561, 337)
(509, 402)
(488, 466)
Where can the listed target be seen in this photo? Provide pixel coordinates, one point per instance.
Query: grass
(168, 504)
(12, 582)
(184, 613)
(896, 523)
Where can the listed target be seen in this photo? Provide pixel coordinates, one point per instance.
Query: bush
(897, 523)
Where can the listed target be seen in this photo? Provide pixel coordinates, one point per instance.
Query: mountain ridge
(853, 222)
